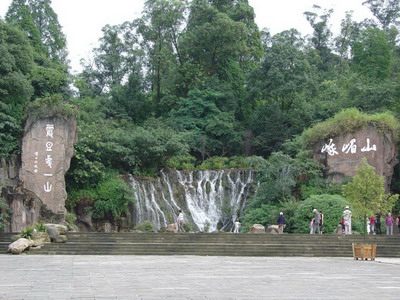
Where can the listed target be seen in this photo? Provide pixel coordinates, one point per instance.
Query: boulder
(62, 229)
(61, 239)
(272, 229)
(53, 233)
(338, 230)
(257, 228)
(171, 228)
(39, 238)
(19, 246)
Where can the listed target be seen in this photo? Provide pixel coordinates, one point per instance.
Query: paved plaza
(196, 277)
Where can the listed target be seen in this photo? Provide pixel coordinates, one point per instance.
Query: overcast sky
(82, 20)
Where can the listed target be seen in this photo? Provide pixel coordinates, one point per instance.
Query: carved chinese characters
(46, 153)
(342, 154)
(347, 148)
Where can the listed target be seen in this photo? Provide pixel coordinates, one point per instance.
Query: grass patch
(350, 121)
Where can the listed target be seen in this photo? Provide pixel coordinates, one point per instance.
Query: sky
(82, 20)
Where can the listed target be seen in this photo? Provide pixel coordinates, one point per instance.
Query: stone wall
(342, 154)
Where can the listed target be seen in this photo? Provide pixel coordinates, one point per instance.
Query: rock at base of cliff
(257, 228)
(272, 229)
(19, 246)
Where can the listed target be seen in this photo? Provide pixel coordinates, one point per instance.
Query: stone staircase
(212, 244)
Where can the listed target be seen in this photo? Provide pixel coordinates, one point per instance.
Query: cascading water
(210, 200)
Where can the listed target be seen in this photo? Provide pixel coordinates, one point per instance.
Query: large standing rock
(47, 148)
(257, 228)
(19, 246)
(342, 154)
(272, 229)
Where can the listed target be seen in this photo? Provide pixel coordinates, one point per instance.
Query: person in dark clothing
(378, 224)
(281, 222)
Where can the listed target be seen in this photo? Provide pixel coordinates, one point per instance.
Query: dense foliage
(196, 84)
(366, 193)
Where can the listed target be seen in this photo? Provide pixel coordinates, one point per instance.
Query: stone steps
(213, 244)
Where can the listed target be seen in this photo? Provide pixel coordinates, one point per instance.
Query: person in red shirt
(372, 225)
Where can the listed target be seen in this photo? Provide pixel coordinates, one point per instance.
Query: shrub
(185, 162)
(40, 227)
(52, 105)
(108, 200)
(268, 215)
(188, 227)
(146, 226)
(27, 232)
(331, 205)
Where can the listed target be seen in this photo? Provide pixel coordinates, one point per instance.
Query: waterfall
(209, 199)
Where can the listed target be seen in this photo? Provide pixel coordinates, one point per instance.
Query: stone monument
(47, 148)
(342, 154)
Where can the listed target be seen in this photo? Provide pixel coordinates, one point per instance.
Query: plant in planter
(366, 194)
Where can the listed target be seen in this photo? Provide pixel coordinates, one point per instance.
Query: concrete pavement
(196, 277)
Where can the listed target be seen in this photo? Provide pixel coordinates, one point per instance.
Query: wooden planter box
(364, 251)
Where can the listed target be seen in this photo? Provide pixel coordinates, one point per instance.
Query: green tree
(373, 55)
(160, 27)
(321, 41)
(15, 87)
(116, 58)
(386, 11)
(39, 21)
(212, 131)
(366, 193)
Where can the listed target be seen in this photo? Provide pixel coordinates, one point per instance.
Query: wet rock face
(47, 148)
(9, 170)
(342, 154)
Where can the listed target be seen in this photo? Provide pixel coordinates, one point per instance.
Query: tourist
(321, 222)
(347, 220)
(237, 226)
(281, 222)
(180, 221)
(312, 224)
(372, 225)
(342, 223)
(378, 224)
(389, 224)
(398, 222)
(317, 221)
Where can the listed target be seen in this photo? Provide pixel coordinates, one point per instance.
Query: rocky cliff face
(341, 154)
(47, 148)
(9, 171)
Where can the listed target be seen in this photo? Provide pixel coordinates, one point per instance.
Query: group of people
(317, 223)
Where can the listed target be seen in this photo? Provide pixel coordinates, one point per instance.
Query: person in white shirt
(237, 226)
(347, 220)
(180, 221)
